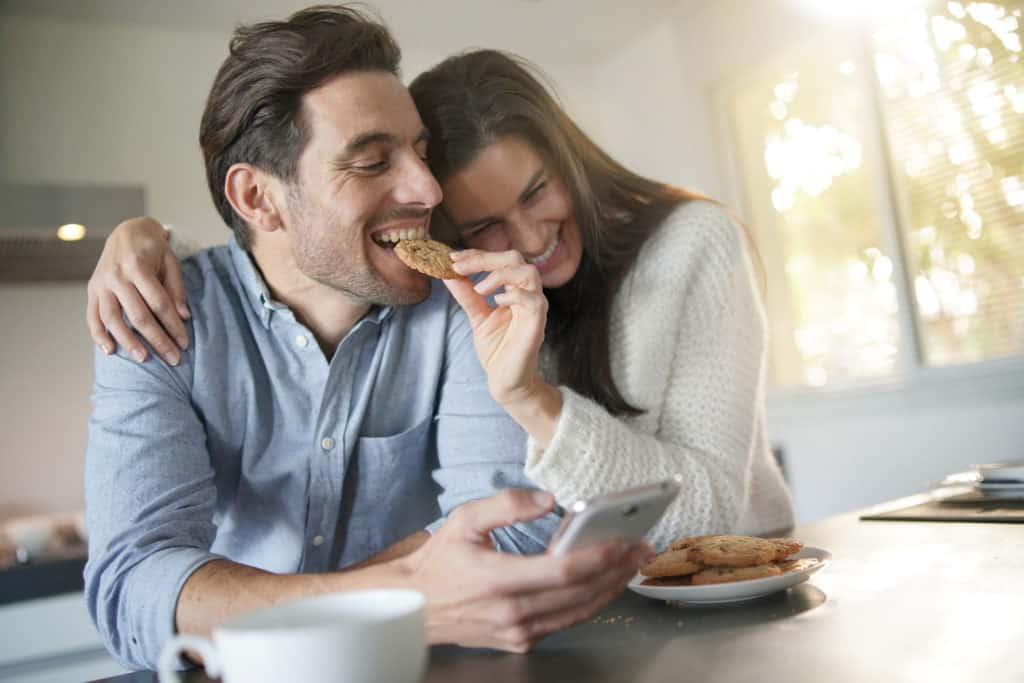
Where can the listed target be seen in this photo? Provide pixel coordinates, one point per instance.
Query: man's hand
(138, 274)
(478, 597)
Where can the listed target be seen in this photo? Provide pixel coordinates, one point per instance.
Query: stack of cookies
(702, 560)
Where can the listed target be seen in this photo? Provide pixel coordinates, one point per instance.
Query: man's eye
(378, 167)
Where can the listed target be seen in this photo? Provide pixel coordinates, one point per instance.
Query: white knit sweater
(688, 346)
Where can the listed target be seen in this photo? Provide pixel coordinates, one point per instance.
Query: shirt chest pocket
(393, 478)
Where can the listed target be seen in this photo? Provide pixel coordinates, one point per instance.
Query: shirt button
(318, 541)
(301, 341)
(327, 443)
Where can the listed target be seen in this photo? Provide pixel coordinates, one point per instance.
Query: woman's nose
(526, 236)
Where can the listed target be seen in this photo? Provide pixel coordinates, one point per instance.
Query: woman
(627, 336)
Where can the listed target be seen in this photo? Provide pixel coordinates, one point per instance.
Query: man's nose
(417, 185)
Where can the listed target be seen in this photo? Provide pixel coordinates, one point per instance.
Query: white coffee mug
(367, 636)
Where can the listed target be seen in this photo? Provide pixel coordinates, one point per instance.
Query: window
(884, 177)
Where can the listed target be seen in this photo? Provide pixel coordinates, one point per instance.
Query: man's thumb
(504, 509)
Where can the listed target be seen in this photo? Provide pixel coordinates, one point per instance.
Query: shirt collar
(258, 295)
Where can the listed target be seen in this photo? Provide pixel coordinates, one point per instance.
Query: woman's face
(509, 197)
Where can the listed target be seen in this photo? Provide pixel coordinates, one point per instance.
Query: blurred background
(875, 149)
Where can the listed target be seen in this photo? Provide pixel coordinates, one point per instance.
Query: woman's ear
(251, 193)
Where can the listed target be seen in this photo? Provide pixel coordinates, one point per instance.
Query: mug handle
(167, 669)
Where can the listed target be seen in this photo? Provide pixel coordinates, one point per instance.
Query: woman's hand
(138, 274)
(508, 338)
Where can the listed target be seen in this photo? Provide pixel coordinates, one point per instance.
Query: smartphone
(628, 514)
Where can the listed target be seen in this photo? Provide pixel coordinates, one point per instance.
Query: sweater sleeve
(708, 426)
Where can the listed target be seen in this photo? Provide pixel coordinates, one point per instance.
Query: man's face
(362, 183)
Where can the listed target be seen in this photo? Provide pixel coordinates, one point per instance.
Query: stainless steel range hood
(31, 215)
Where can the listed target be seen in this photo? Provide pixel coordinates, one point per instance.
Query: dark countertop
(901, 601)
(52, 575)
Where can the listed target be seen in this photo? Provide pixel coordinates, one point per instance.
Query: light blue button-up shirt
(258, 449)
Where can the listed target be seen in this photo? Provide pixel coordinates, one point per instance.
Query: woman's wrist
(537, 412)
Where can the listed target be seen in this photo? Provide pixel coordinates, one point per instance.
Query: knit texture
(688, 346)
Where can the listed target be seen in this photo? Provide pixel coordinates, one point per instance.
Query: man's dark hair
(254, 111)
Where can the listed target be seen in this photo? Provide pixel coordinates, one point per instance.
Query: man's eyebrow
(360, 142)
(364, 140)
(523, 196)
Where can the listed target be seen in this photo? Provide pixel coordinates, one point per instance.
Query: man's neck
(328, 313)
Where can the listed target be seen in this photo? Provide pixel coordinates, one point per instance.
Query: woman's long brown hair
(477, 98)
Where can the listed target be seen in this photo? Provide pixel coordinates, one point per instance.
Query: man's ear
(253, 195)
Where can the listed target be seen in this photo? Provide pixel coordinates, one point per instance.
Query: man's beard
(321, 258)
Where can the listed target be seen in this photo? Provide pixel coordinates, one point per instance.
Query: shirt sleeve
(150, 499)
(709, 427)
(480, 448)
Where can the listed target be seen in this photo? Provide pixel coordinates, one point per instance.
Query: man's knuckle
(564, 573)
(509, 613)
(459, 515)
(508, 496)
(520, 635)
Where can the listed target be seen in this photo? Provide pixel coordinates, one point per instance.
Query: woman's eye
(534, 192)
(477, 232)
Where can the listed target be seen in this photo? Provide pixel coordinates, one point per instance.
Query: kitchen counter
(53, 574)
(900, 601)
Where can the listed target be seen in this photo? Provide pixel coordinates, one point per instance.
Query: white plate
(1000, 486)
(734, 591)
(1005, 472)
(1004, 492)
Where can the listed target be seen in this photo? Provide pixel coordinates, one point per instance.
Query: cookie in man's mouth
(427, 256)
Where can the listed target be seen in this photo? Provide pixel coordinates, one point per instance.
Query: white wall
(655, 116)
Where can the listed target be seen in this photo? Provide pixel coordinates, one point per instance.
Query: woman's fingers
(141, 318)
(97, 331)
(160, 303)
(472, 303)
(523, 276)
(513, 296)
(471, 261)
(176, 286)
(111, 315)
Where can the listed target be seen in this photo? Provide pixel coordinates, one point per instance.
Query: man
(318, 420)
